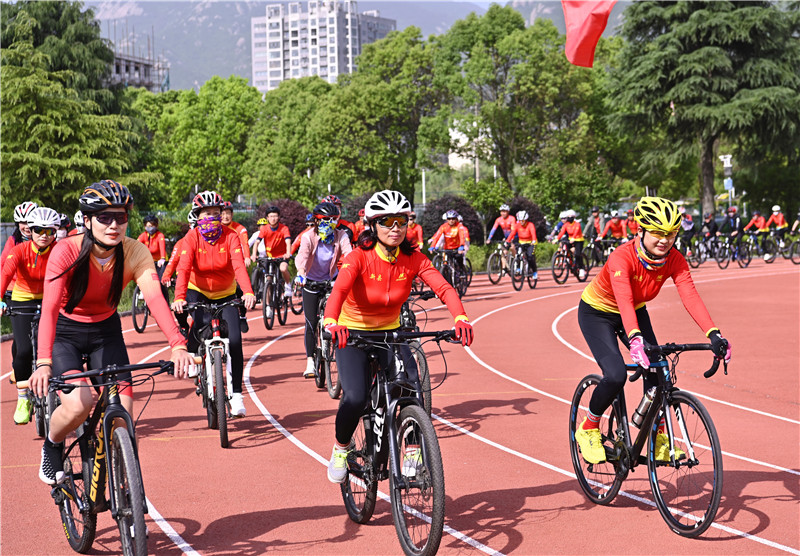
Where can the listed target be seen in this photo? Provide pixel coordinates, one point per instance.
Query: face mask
(570, 219)
(61, 234)
(150, 229)
(210, 228)
(325, 231)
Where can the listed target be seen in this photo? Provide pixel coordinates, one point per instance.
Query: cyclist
(310, 225)
(166, 278)
(779, 220)
(317, 261)
(154, 240)
(79, 225)
(84, 280)
(631, 225)
(615, 227)
(414, 231)
(505, 222)
(359, 225)
(613, 305)
(63, 227)
(524, 232)
(796, 223)
(22, 232)
(27, 261)
(277, 244)
(211, 265)
(734, 225)
(374, 282)
(760, 224)
(241, 231)
(348, 227)
(710, 228)
(687, 230)
(255, 244)
(575, 238)
(450, 235)
(594, 225)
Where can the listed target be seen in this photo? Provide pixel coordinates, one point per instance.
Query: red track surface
(508, 474)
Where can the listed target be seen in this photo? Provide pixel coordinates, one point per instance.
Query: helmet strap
(97, 241)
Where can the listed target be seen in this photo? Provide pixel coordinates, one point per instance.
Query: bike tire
(744, 256)
(256, 278)
(220, 399)
(694, 259)
(468, 268)
(207, 397)
(39, 413)
(518, 269)
(437, 261)
(332, 372)
(600, 482)
(80, 528)
(531, 280)
(282, 303)
(586, 269)
(723, 257)
(319, 356)
(267, 310)
(795, 252)
(360, 487)
(129, 494)
(770, 251)
(296, 301)
(559, 268)
(424, 374)
(423, 493)
(494, 268)
(688, 496)
(139, 312)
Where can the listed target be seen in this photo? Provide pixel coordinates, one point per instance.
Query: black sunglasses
(106, 218)
(43, 231)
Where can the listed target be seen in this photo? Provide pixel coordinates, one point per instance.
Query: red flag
(586, 21)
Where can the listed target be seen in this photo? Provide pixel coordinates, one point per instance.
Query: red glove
(339, 334)
(464, 332)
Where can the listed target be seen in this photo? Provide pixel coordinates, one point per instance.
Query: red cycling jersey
(275, 240)
(359, 228)
(172, 264)
(156, 243)
(464, 231)
(617, 228)
(504, 224)
(778, 219)
(573, 231)
(241, 232)
(414, 234)
(632, 226)
(526, 233)
(370, 290)
(10, 244)
(213, 270)
(453, 236)
(759, 222)
(28, 264)
(94, 307)
(296, 242)
(624, 285)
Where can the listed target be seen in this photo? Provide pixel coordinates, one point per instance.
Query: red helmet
(332, 199)
(361, 213)
(732, 210)
(206, 199)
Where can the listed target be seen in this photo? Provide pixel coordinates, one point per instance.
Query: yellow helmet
(657, 215)
(262, 222)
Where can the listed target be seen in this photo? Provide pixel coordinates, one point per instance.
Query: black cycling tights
(601, 331)
(21, 328)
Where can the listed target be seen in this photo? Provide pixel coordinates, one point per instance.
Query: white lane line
(321, 459)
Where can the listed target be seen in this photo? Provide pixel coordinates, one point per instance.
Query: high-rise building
(319, 37)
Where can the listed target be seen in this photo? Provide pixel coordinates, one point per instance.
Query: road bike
(564, 263)
(520, 270)
(214, 380)
(103, 452)
(498, 264)
(273, 300)
(395, 440)
(687, 487)
(326, 372)
(729, 250)
(408, 322)
(449, 262)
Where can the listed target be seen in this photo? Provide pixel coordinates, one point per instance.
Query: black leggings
(21, 328)
(101, 341)
(311, 311)
(601, 330)
(354, 374)
(530, 255)
(230, 315)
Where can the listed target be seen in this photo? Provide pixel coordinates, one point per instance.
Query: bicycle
(688, 487)
(396, 425)
(703, 250)
(766, 249)
(408, 322)
(520, 270)
(214, 384)
(498, 263)
(564, 263)
(103, 451)
(452, 269)
(273, 300)
(778, 246)
(729, 250)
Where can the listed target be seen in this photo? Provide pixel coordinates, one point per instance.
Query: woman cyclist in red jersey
(156, 243)
(317, 261)
(227, 220)
(27, 261)
(525, 231)
(631, 226)
(22, 234)
(613, 305)
(358, 226)
(414, 231)
(374, 282)
(210, 267)
(505, 222)
(575, 239)
(84, 280)
(779, 220)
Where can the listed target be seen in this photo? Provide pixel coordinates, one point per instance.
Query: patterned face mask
(150, 229)
(210, 228)
(325, 230)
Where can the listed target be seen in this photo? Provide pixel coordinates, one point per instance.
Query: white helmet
(22, 211)
(505, 207)
(44, 217)
(614, 214)
(386, 202)
(522, 215)
(562, 215)
(776, 208)
(192, 218)
(78, 219)
(571, 213)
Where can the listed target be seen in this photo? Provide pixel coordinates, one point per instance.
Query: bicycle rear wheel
(267, 310)
(518, 269)
(795, 252)
(281, 302)
(220, 399)
(424, 374)
(494, 267)
(319, 356)
(79, 526)
(418, 503)
(559, 268)
(468, 269)
(531, 280)
(687, 492)
(256, 279)
(139, 312)
(332, 371)
(360, 487)
(600, 482)
(744, 256)
(129, 494)
(588, 251)
(770, 251)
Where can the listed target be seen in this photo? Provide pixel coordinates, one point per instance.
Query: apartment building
(318, 37)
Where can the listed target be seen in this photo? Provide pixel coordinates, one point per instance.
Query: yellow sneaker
(662, 448)
(23, 413)
(590, 442)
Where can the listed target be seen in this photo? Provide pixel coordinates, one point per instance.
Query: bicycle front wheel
(795, 252)
(360, 487)
(468, 269)
(585, 261)
(770, 251)
(79, 526)
(600, 482)
(282, 303)
(687, 492)
(744, 256)
(129, 495)
(220, 399)
(518, 269)
(296, 300)
(267, 310)
(418, 503)
(588, 251)
(332, 371)
(724, 256)
(320, 351)
(559, 268)
(494, 267)
(139, 311)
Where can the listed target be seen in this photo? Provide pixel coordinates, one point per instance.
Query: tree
(702, 71)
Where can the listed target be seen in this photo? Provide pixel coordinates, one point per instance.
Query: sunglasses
(328, 219)
(106, 218)
(43, 231)
(391, 220)
(662, 235)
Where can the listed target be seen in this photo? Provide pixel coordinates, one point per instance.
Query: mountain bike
(103, 451)
(448, 263)
(688, 487)
(395, 440)
(778, 246)
(766, 249)
(273, 300)
(703, 250)
(214, 384)
(730, 250)
(408, 322)
(597, 251)
(139, 311)
(499, 263)
(520, 270)
(564, 263)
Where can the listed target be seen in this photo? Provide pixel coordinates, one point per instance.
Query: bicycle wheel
(518, 269)
(494, 267)
(139, 312)
(795, 252)
(418, 503)
(531, 280)
(586, 269)
(267, 310)
(468, 269)
(79, 526)
(204, 382)
(220, 399)
(424, 374)
(437, 262)
(600, 482)
(588, 252)
(39, 413)
(129, 494)
(256, 279)
(281, 302)
(296, 301)
(319, 356)
(559, 268)
(724, 256)
(786, 250)
(460, 281)
(770, 251)
(360, 487)
(687, 493)
(744, 256)
(332, 371)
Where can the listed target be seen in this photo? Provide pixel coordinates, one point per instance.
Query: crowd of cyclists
(75, 276)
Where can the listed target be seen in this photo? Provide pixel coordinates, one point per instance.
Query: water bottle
(644, 407)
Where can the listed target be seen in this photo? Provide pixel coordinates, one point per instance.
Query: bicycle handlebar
(191, 306)
(390, 336)
(427, 294)
(63, 382)
(22, 311)
(670, 348)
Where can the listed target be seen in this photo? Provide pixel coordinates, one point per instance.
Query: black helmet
(595, 209)
(326, 210)
(272, 209)
(105, 194)
(151, 218)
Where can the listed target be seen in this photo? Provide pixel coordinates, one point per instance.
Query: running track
(501, 417)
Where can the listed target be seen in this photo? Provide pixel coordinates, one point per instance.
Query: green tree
(704, 71)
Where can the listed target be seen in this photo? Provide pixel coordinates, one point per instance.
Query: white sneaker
(287, 290)
(309, 372)
(582, 274)
(337, 466)
(270, 311)
(535, 275)
(237, 406)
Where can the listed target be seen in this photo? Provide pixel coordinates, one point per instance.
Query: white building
(321, 37)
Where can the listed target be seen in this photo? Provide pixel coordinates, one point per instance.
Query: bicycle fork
(212, 346)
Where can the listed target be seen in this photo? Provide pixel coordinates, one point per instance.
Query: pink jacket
(308, 247)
